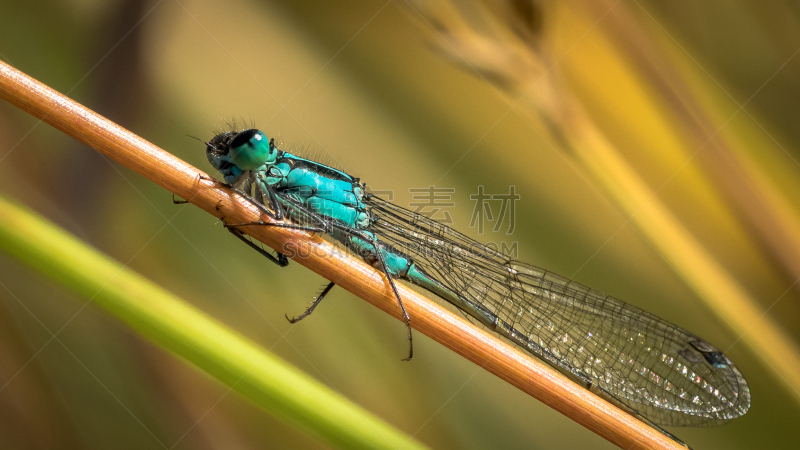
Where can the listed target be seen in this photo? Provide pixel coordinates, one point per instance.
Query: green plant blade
(171, 323)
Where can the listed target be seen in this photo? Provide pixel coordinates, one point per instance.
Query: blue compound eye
(251, 149)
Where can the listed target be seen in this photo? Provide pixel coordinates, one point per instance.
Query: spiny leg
(314, 304)
(273, 198)
(318, 223)
(260, 206)
(376, 244)
(323, 228)
(281, 260)
(264, 210)
(367, 238)
(278, 215)
(290, 226)
(241, 193)
(406, 319)
(324, 223)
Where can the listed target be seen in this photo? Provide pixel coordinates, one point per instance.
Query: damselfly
(662, 372)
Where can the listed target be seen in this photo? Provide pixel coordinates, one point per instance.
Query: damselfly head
(251, 149)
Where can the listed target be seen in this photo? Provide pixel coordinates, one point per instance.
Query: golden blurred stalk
(505, 47)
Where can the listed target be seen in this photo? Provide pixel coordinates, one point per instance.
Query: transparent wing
(663, 372)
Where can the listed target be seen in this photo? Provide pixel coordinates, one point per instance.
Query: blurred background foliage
(654, 146)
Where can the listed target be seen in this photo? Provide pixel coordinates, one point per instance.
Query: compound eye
(244, 137)
(251, 149)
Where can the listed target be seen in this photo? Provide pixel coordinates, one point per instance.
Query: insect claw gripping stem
(314, 304)
(280, 261)
(178, 202)
(183, 202)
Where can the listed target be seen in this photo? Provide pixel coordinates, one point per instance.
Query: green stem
(178, 327)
